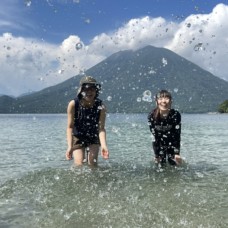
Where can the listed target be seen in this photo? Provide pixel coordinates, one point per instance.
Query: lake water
(39, 188)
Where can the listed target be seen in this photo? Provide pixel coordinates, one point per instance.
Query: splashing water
(40, 192)
(139, 99)
(61, 71)
(78, 46)
(109, 98)
(28, 3)
(198, 47)
(164, 62)
(87, 21)
(147, 96)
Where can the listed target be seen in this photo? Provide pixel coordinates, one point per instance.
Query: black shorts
(82, 143)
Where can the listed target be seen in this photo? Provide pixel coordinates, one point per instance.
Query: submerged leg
(93, 154)
(79, 155)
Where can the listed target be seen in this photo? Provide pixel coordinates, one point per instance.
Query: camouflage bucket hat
(88, 81)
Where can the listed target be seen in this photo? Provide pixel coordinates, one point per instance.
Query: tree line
(223, 107)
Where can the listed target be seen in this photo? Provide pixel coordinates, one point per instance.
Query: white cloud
(28, 65)
(203, 40)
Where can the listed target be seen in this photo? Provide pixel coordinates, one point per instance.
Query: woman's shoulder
(175, 111)
(71, 103)
(71, 107)
(175, 114)
(152, 111)
(151, 114)
(98, 101)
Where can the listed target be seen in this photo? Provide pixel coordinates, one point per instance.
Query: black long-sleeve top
(167, 130)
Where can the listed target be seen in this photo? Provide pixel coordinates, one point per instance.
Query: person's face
(164, 103)
(89, 92)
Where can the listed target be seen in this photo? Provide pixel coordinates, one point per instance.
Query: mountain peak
(125, 76)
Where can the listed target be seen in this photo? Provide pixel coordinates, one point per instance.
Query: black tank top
(86, 121)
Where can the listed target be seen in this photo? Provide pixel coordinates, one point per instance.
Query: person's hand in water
(69, 154)
(105, 153)
(178, 159)
(157, 160)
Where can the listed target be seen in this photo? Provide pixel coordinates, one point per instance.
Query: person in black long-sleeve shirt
(165, 125)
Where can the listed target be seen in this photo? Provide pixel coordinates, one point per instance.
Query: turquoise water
(39, 188)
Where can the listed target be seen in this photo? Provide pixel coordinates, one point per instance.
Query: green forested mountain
(223, 108)
(124, 77)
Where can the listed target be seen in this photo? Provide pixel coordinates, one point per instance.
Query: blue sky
(38, 37)
(54, 20)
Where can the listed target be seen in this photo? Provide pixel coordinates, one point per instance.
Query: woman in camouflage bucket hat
(86, 124)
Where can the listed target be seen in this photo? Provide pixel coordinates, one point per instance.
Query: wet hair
(163, 93)
(160, 94)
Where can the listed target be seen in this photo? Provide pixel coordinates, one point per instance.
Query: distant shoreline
(122, 113)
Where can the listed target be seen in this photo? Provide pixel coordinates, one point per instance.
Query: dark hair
(162, 93)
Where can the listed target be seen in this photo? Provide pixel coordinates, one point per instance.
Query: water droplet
(109, 98)
(198, 47)
(164, 62)
(67, 217)
(56, 177)
(147, 96)
(139, 99)
(82, 72)
(147, 93)
(87, 21)
(115, 129)
(28, 3)
(175, 90)
(152, 72)
(61, 71)
(79, 46)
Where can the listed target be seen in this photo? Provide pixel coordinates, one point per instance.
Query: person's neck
(164, 113)
(86, 103)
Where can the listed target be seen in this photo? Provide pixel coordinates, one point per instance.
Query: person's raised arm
(69, 130)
